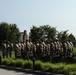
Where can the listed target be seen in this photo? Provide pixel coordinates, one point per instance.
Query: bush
(5, 61)
(47, 67)
(58, 68)
(19, 63)
(55, 68)
(8, 62)
(68, 69)
(27, 64)
(38, 65)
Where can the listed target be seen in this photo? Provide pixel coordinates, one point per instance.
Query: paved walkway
(11, 72)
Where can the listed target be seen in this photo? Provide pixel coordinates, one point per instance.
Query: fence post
(33, 63)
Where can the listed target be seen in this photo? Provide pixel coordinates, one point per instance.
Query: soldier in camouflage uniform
(8, 52)
(44, 51)
(27, 49)
(22, 50)
(37, 50)
(65, 48)
(11, 48)
(47, 50)
(17, 53)
(70, 48)
(34, 50)
(4, 47)
(31, 49)
(52, 49)
(39, 47)
(56, 48)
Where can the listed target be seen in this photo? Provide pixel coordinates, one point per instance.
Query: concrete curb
(27, 70)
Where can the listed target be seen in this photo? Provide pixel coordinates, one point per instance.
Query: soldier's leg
(10, 54)
(3, 53)
(7, 53)
(15, 53)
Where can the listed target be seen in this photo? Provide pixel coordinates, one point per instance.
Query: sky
(26, 13)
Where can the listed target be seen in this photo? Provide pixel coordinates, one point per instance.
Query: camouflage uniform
(11, 49)
(22, 49)
(31, 50)
(8, 52)
(4, 49)
(52, 48)
(27, 49)
(34, 50)
(65, 48)
(17, 53)
(70, 48)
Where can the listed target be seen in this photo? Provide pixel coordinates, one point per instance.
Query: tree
(34, 33)
(9, 32)
(45, 32)
(63, 35)
(4, 31)
(14, 33)
(71, 37)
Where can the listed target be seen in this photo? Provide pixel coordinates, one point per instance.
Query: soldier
(43, 52)
(8, 52)
(27, 49)
(48, 44)
(70, 48)
(47, 50)
(20, 46)
(52, 48)
(65, 48)
(11, 49)
(34, 49)
(22, 49)
(37, 49)
(44, 55)
(4, 47)
(56, 48)
(31, 49)
(16, 50)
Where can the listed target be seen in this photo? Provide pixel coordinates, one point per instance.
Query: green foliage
(27, 64)
(71, 37)
(9, 32)
(5, 61)
(47, 67)
(58, 68)
(70, 68)
(19, 63)
(54, 68)
(63, 35)
(9, 62)
(64, 68)
(45, 32)
(38, 65)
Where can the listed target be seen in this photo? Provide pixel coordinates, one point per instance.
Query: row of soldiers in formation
(39, 49)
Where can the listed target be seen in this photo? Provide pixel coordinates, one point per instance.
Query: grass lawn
(75, 50)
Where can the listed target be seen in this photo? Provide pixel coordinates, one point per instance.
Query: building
(24, 36)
